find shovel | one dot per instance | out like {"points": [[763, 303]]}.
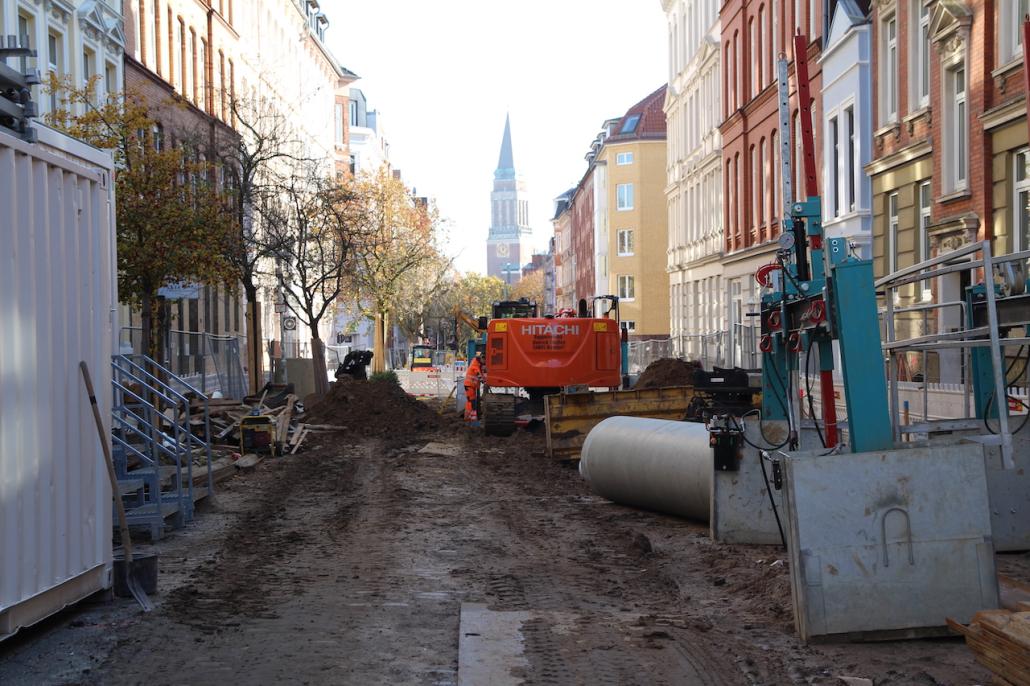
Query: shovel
{"points": [[131, 582]]}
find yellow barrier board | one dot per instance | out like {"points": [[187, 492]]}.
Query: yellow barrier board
{"points": [[571, 416]]}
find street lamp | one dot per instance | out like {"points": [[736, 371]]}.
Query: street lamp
{"points": [[507, 279]]}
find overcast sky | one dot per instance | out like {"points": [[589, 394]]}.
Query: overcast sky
{"points": [[442, 74]]}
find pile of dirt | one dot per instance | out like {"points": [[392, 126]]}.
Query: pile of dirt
{"points": [[371, 408], [667, 372]]}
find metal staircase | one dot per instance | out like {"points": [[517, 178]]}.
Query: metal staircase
{"points": [[155, 437]]}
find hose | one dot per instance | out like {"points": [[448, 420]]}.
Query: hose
{"points": [[990, 400], [808, 392]]}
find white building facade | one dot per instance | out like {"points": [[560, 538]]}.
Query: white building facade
{"points": [[694, 187], [81, 39], [369, 149], [847, 128]]}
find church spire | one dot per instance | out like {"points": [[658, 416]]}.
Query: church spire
{"points": [[506, 162]]}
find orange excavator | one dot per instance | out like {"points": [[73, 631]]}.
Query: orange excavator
{"points": [[528, 357]]}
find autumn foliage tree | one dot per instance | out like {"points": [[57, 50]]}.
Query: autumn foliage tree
{"points": [[531, 287], [400, 237], [474, 295], [171, 220]]}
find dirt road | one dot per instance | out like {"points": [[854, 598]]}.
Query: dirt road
{"points": [[349, 564]]}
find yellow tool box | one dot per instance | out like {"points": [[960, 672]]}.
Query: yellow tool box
{"points": [[257, 433]]}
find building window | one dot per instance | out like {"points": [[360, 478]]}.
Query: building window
{"points": [[1021, 202], [813, 29], [835, 162], [628, 325], [755, 188], [55, 49], [232, 87], [625, 242], [630, 125], [735, 67], [925, 202], [756, 51], [763, 55], [892, 233], [957, 126], [110, 78], [624, 199], [624, 158], [920, 55], [627, 288], [192, 54], [89, 65], [762, 174], [339, 123], [889, 95], [204, 92], [1010, 29], [222, 100], [156, 22], [851, 160], [181, 70]]}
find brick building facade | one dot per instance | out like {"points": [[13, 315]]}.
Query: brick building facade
{"points": [[950, 138], [753, 33]]}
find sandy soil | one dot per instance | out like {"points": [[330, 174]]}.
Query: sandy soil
{"points": [[348, 565]]}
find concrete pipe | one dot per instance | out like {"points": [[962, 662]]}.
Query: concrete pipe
{"points": [[653, 464]]}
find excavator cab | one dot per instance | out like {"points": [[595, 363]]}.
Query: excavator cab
{"points": [[514, 309], [421, 358]]}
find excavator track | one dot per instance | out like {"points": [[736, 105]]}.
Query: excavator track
{"points": [[498, 414]]}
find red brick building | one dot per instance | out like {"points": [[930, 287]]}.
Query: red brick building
{"points": [[754, 33], [949, 128], [950, 139], [583, 237]]}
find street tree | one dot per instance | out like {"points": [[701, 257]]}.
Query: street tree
{"points": [[420, 294], [172, 221], [400, 237], [530, 287], [474, 295], [257, 162], [313, 226]]}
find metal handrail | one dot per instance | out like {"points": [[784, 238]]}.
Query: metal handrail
{"points": [[143, 401], [128, 446], [894, 277], [185, 428], [156, 379]]}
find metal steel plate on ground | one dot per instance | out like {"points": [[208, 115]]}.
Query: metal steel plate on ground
{"points": [[888, 544]]}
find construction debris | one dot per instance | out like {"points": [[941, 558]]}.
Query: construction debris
{"points": [[228, 416], [371, 408], [1001, 642], [668, 372]]}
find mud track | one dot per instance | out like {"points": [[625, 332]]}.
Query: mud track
{"points": [[349, 565]]}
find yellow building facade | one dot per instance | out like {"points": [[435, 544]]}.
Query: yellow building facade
{"points": [[632, 247]]}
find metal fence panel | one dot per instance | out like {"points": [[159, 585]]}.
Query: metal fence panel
{"points": [[57, 307]]}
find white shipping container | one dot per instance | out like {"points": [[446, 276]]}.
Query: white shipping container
{"points": [[57, 307]]}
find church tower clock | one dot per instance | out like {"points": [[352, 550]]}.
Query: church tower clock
{"points": [[507, 246]]}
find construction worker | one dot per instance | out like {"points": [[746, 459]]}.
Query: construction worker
{"points": [[473, 377]]}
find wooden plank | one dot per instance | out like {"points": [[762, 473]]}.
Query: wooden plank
{"points": [[297, 445], [283, 420]]}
